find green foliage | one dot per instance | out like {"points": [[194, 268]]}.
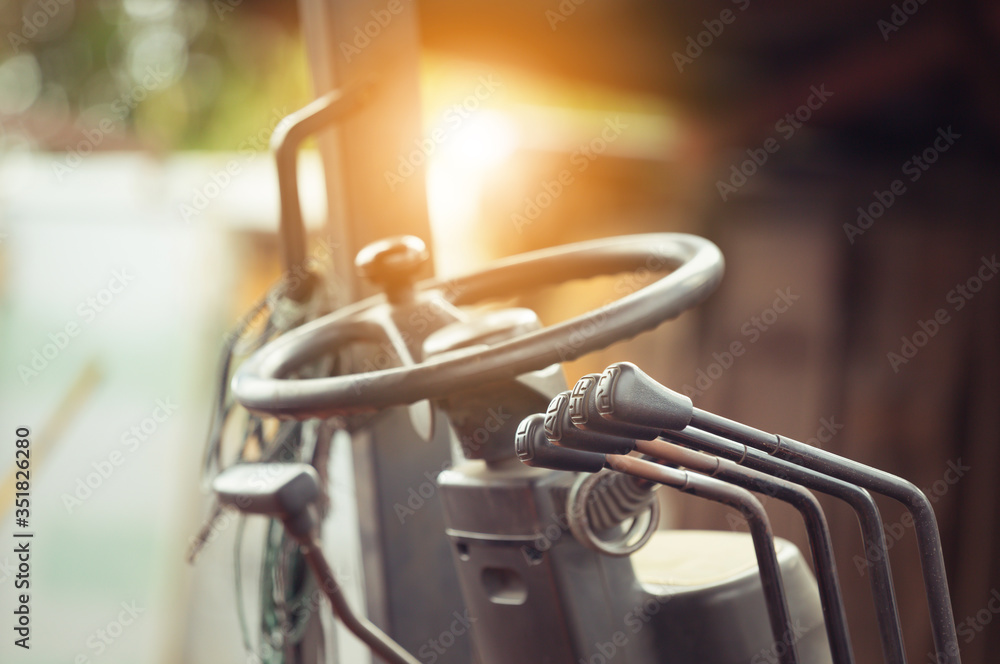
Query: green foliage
{"points": [[187, 74]]}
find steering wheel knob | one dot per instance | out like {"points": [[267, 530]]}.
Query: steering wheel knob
{"points": [[392, 263]]}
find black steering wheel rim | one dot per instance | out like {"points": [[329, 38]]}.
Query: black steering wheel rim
{"points": [[697, 265]]}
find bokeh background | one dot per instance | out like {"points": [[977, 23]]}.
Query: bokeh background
{"points": [[843, 156]]}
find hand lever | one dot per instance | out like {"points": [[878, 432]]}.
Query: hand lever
{"points": [[286, 491]]}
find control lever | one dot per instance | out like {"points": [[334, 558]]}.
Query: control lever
{"points": [[535, 450], [596, 502], [622, 377], [709, 488], [559, 430], [285, 141], [286, 491], [760, 531], [584, 415], [827, 463], [817, 529], [932, 565]]}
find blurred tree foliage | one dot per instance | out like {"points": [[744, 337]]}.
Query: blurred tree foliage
{"points": [[158, 74]]}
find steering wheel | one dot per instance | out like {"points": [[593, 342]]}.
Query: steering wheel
{"points": [[262, 383]]}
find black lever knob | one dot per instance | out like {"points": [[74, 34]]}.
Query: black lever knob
{"points": [[583, 412], [560, 430], [534, 449], [627, 394], [393, 263]]}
